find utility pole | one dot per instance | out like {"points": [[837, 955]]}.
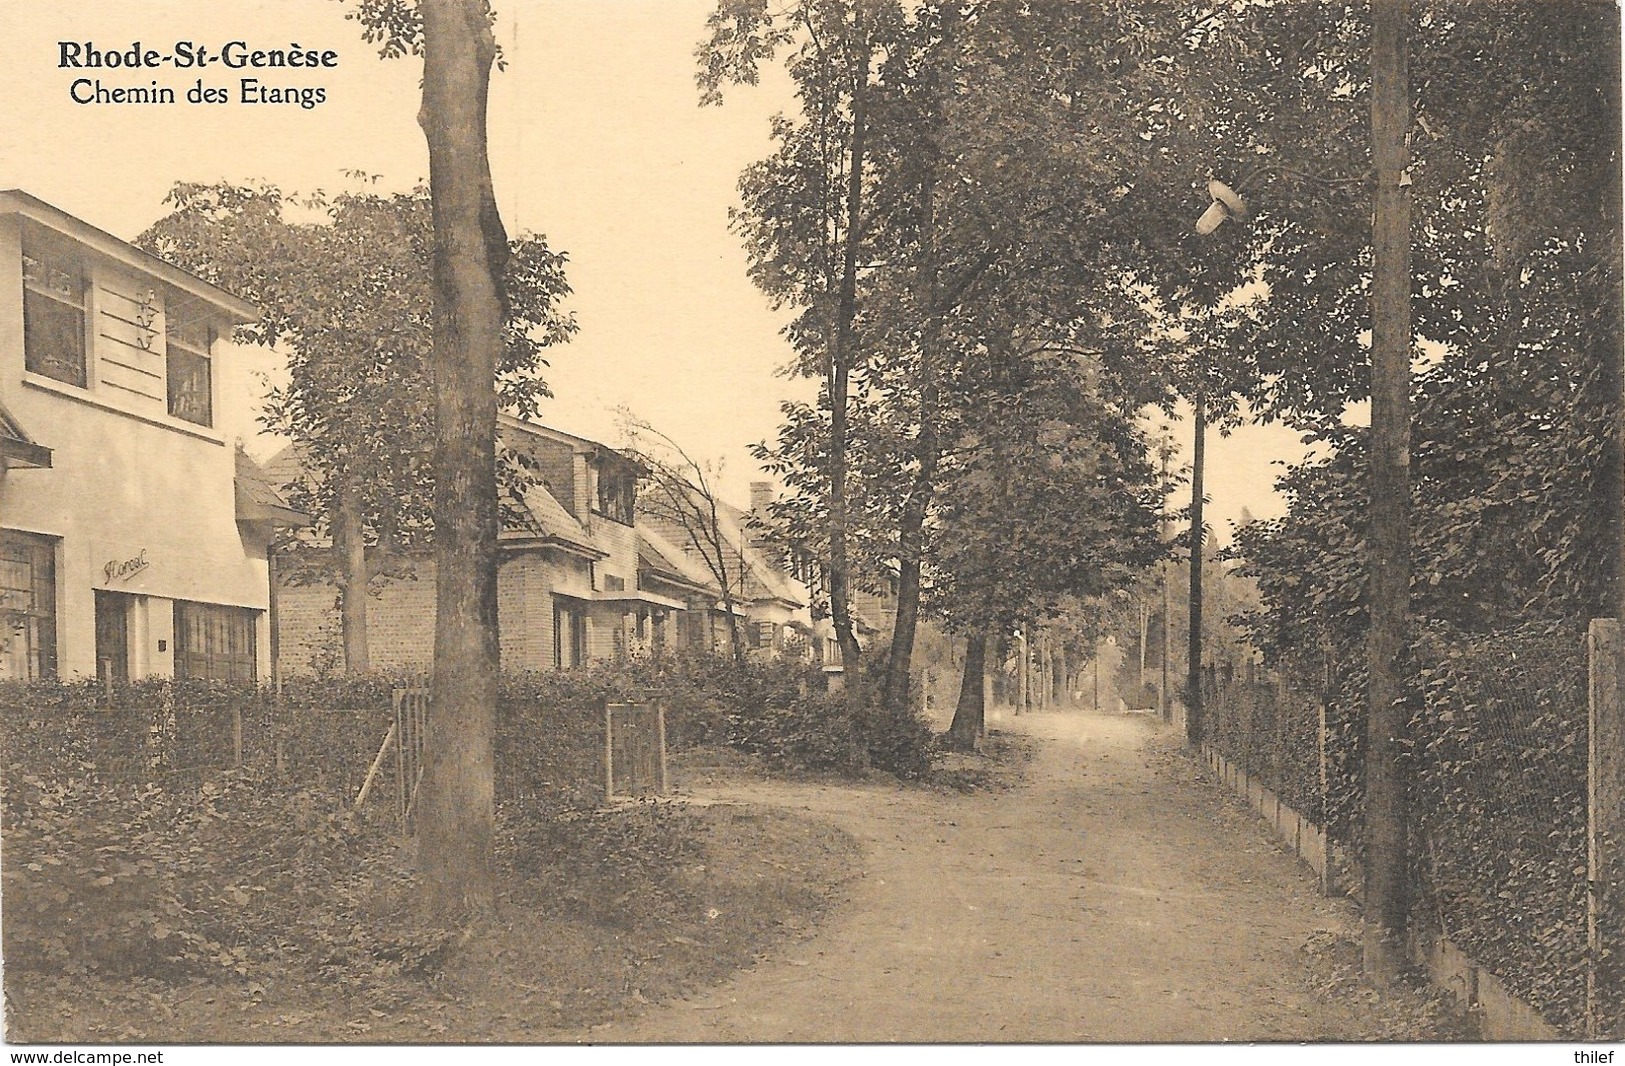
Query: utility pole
{"points": [[1387, 773], [1193, 697], [1021, 672], [1165, 451], [1145, 618]]}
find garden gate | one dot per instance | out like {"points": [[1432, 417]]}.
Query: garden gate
{"points": [[634, 748]]}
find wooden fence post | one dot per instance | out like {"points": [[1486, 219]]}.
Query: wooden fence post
{"points": [[1605, 818], [660, 725], [609, 751]]}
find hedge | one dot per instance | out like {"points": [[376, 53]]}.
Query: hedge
{"points": [[130, 849], [1498, 749]]}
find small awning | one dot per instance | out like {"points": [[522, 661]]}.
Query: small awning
{"points": [[17, 447], [637, 596]]}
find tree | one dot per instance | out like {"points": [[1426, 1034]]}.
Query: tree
{"points": [[805, 217], [1511, 203], [456, 804], [679, 492], [470, 259], [346, 295], [1047, 496], [1006, 149]]}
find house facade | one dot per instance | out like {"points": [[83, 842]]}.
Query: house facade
{"points": [[133, 533], [770, 605], [573, 586]]}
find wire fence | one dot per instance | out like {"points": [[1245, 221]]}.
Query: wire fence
{"points": [[1498, 806], [1500, 813]]}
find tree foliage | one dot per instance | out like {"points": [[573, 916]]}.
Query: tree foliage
{"points": [[343, 285], [1047, 496], [1514, 452]]}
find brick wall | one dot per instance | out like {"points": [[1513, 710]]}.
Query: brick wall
{"points": [[400, 625], [525, 613], [307, 621], [400, 620], [557, 463]]}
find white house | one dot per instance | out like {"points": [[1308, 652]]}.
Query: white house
{"points": [[132, 533]]}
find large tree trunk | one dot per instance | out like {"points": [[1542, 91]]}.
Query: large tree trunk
{"points": [[1386, 898], [970, 713], [455, 804], [350, 545], [927, 454]]}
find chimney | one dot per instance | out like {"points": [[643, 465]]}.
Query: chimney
{"points": [[761, 496]]}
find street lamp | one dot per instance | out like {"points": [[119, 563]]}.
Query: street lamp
{"points": [[1227, 203]]}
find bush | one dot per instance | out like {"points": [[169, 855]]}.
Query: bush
{"points": [[898, 744], [618, 868], [324, 733], [130, 851], [1500, 807], [1497, 746], [809, 733], [185, 877]]}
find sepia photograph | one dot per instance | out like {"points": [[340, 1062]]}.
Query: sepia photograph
{"points": [[1034, 527]]}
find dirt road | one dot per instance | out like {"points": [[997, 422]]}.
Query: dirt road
{"points": [[1116, 897]]}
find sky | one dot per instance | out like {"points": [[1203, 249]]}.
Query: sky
{"points": [[596, 140]]}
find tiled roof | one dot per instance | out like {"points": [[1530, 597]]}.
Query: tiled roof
{"points": [[258, 499], [665, 558], [544, 516]]}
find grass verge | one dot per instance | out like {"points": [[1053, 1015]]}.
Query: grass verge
{"points": [[578, 939]]}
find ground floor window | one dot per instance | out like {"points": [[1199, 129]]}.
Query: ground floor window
{"points": [[27, 606], [569, 633], [693, 631], [215, 642]]}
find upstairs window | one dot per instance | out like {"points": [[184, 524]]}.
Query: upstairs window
{"points": [[190, 372], [54, 320], [616, 495]]}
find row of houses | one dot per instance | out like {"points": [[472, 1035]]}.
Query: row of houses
{"points": [[136, 537], [586, 573]]}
